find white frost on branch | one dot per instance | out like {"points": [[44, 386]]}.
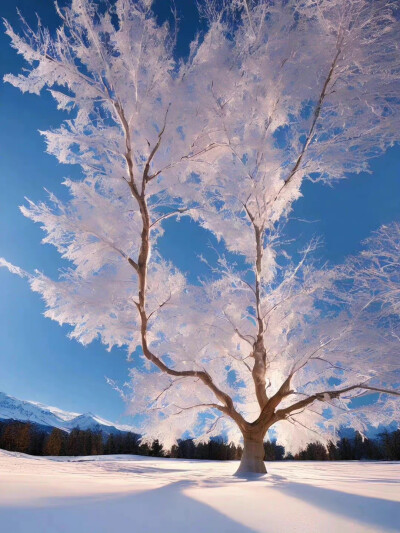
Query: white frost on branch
{"points": [[272, 94]]}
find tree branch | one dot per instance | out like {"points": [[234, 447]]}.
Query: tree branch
{"points": [[168, 215], [146, 177], [259, 352], [310, 135], [328, 395], [197, 406]]}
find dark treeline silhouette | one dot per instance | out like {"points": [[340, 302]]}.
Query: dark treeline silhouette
{"points": [[386, 447], [35, 440], [215, 449], [32, 439]]}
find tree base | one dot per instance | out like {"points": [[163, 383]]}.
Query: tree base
{"points": [[252, 462]]}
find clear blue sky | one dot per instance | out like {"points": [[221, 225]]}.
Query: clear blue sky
{"points": [[37, 361]]}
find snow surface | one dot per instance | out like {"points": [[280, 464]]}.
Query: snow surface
{"points": [[104, 494]]}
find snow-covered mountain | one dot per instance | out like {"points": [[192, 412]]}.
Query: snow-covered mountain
{"points": [[45, 415]]}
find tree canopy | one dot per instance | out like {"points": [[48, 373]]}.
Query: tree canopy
{"points": [[271, 94]]}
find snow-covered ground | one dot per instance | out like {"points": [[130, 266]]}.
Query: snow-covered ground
{"points": [[106, 494]]}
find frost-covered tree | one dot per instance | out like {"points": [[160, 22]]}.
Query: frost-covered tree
{"points": [[376, 271], [271, 94]]}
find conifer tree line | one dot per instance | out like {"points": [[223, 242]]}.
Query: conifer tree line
{"points": [[28, 438]]}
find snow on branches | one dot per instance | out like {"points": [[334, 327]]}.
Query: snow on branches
{"points": [[271, 94]]}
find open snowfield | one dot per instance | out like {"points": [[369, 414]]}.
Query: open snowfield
{"points": [[104, 494]]}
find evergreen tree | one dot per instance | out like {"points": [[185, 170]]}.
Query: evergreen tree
{"points": [[390, 445], [109, 448], [333, 452], [315, 451], [23, 437], [9, 440], [345, 449], [273, 452], [56, 443], [97, 443], [358, 447], [156, 449], [144, 449], [174, 453], [131, 443], [74, 446]]}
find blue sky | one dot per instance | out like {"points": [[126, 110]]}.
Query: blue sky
{"points": [[37, 361]]}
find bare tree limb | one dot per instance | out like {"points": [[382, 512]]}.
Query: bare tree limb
{"points": [[310, 135], [168, 215], [330, 394]]}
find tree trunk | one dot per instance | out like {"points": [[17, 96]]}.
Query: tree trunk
{"points": [[252, 461]]}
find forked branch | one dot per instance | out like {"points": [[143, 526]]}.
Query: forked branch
{"points": [[329, 395]]}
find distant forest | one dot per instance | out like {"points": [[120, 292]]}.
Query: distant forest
{"points": [[29, 438]]}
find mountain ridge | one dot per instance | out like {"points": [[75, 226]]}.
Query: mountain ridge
{"points": [[38, 413]]}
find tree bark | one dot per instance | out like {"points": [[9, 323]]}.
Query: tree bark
{"points": [[252, 461]]}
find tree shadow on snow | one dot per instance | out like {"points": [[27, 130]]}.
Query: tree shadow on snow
{"points": [[383, 514], [163, 510]]}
